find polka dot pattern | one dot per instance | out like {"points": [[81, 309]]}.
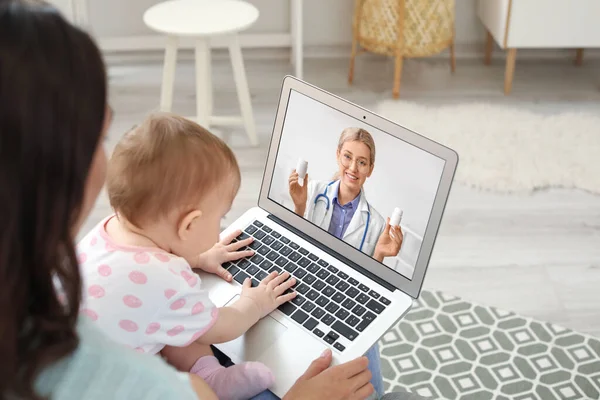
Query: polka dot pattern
{"points": [[152, 328], [96, 291], [93, 241], [162, 257], [128, 325], [138, 277], [132, 301], [90, 313], [170, 293], [198, 308], [176, 330], [142, 258], [82, 258], [177, 304], [104, 270]]}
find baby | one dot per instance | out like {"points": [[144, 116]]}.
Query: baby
{"points": [[170, 182]]}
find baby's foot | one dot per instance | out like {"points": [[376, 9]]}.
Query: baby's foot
{"points": [[238, 382]]}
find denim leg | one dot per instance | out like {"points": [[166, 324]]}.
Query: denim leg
{"points": [[266, 395], [375, 368]]}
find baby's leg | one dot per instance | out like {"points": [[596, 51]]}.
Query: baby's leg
{"points": [[238, 382]]}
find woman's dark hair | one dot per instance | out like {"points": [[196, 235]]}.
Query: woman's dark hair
{"points": [[52, 107]]}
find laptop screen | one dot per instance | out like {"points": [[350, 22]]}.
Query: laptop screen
{"points": [[364, 186]]}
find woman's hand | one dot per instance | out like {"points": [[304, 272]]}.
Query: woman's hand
{"points": [[211, 260], [298, 193], [346, 381], [270, 293], [389, 242]]}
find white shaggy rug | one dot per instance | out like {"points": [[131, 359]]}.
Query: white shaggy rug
{"points": [[507, 149]]}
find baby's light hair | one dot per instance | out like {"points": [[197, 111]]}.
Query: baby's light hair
{"points": [[167, 163]]}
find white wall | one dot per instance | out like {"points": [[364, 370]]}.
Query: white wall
{"points": [[404, 176]]}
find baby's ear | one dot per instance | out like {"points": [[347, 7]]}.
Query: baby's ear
{"points": [[187, 224]]}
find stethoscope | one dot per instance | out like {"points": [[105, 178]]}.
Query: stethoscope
{"points": [[328, 204]]}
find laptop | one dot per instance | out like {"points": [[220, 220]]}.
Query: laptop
{"points": [[348, 294]]}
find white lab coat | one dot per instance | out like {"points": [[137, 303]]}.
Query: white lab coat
{"points": [[318, 215]]}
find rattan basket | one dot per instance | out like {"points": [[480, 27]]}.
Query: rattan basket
{"points": [[402, 28]]}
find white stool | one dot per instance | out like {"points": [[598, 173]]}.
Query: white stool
{"points": [[203, 19]]}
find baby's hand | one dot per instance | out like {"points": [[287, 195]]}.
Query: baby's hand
{"points": [[268, 295], [211, 260]]}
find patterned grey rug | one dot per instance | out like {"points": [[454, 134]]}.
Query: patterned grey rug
{"points": [[448, 348]]}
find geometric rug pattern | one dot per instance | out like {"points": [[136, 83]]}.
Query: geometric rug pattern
{"points": [[448, 348]]}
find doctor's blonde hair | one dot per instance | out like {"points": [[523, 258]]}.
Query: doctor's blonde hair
{"points": [[357, 135]]}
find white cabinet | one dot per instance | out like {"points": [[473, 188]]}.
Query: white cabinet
{"points": [[515, 24]]}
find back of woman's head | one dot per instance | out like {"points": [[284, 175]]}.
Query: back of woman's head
{"points": [[52, 105]]}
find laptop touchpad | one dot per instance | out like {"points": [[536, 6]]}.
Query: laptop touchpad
{"points": [[251, 345]]}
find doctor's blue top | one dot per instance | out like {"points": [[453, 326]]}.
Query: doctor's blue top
{"points": [[341, 216]]}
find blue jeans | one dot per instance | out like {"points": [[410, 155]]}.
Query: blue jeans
{"points": [[374, 366]]}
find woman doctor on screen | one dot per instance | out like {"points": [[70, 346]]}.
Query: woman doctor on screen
{"points": [[340, 206]]}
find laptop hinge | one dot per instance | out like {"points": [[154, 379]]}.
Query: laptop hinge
{"points": [[334, 254]]}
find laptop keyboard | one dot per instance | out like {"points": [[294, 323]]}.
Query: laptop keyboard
{"points": [[329, 303]]}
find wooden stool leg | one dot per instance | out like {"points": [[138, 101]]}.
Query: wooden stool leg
{"points": [[202, 83], [352, 59], [239, 74], [579, 57], [489, 47], [397, 74], [168, 79], [511, 58], [452, 58]]}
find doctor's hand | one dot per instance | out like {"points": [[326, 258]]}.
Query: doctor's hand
{"points": [[389, 242], [211, 260], [298, 193]]}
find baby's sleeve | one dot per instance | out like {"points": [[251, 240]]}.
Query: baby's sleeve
{"points": [[186, 316]]}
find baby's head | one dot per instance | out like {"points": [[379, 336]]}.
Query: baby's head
{"points": [[171, 175]]}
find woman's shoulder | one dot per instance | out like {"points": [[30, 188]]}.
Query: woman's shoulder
{"points": [[102, 369]]}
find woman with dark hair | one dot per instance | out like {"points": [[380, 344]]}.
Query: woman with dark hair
{"points": [[53, 117]]}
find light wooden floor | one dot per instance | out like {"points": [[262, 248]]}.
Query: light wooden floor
{"points": [[537, 254]]}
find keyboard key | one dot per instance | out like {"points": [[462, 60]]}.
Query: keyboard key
{"points": [[323, 263], [374, 294], [241, 277], [285, 251], [348, 304], [287, 308], [328, 291], [339, 347], [352, 292], [272, 256], [243, 263], [332, 307], [226, 265], [258, 223], [302, 288], [369, 316], [275, 268], [294, 256], [255, 283], [363, 287], [342, 286], [299, 273], [259, 234], [322, 301], [233, 270], [284, 239], [308, 306], [312, 295], [334, 335], [342, 275], [252, 270], [276, 234], [257, 259], [363, 325], [311, 324], [298, 300], [352, 320], [266, 265], [359, 310], [242, 236], [290, 267], [319, 285], [317, 313], [304, 262], [327, 319], [329, 339], [250, 230], [261, 275], [362, 298], [319, 333], [342, 314], [344, 330], [332, 280], [313, 257], [303, 251], [264, 250], [299, 316], [255, 245], [333, 269], [309, 279], [276, 245], [338, 297], [323, 274], [268, 240], [313, 268], [385, 301], [294, 246], [353, 281], [376, 306], [281, 261], [267, 229]]}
